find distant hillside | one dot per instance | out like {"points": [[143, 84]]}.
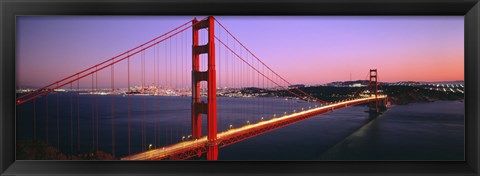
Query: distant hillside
{"points": [[30, 150]]}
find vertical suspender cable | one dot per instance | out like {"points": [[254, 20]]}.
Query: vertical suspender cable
{"points": [[71, 118], [58, 122], [78, 114], [35, 119], [128, 103], [219, 75], [113, 107], [96, 107], [166, 83], [93, 113], [170, 81], [155, 83], [159, 98], [46, 117], [176, 69], [181, 82], [142, 72]]}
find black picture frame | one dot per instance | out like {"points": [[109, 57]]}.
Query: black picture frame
{"points": [[9, 9]]}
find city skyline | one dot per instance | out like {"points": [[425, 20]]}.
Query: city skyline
{"points": [[419, 48]]}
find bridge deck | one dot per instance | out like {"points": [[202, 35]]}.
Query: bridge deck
{"points": [[187, 149]]}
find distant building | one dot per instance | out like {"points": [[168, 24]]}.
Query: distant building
{"points": [[357, 85]]}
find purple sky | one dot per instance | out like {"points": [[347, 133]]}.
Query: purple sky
{"points": [[309, 50]]}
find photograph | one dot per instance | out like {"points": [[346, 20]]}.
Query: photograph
{"points": [[240, 88]]}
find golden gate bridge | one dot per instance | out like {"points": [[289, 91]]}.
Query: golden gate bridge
{"points": [[220, 66]]}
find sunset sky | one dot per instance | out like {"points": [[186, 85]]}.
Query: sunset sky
{"points": [[307, 50]]}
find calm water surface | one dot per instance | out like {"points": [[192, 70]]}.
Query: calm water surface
{"points": [[420, 131]]}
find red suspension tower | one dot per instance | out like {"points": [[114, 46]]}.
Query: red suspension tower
{"points": [[373, 88], [210, 107]]}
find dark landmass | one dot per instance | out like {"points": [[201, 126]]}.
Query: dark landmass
{"points": [[397, 94], [31, 150], [408, 94]]}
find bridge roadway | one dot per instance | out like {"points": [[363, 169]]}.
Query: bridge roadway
{"points": [[192, 148]]}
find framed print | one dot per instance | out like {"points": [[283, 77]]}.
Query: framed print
{"points": [[321, 88]]}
